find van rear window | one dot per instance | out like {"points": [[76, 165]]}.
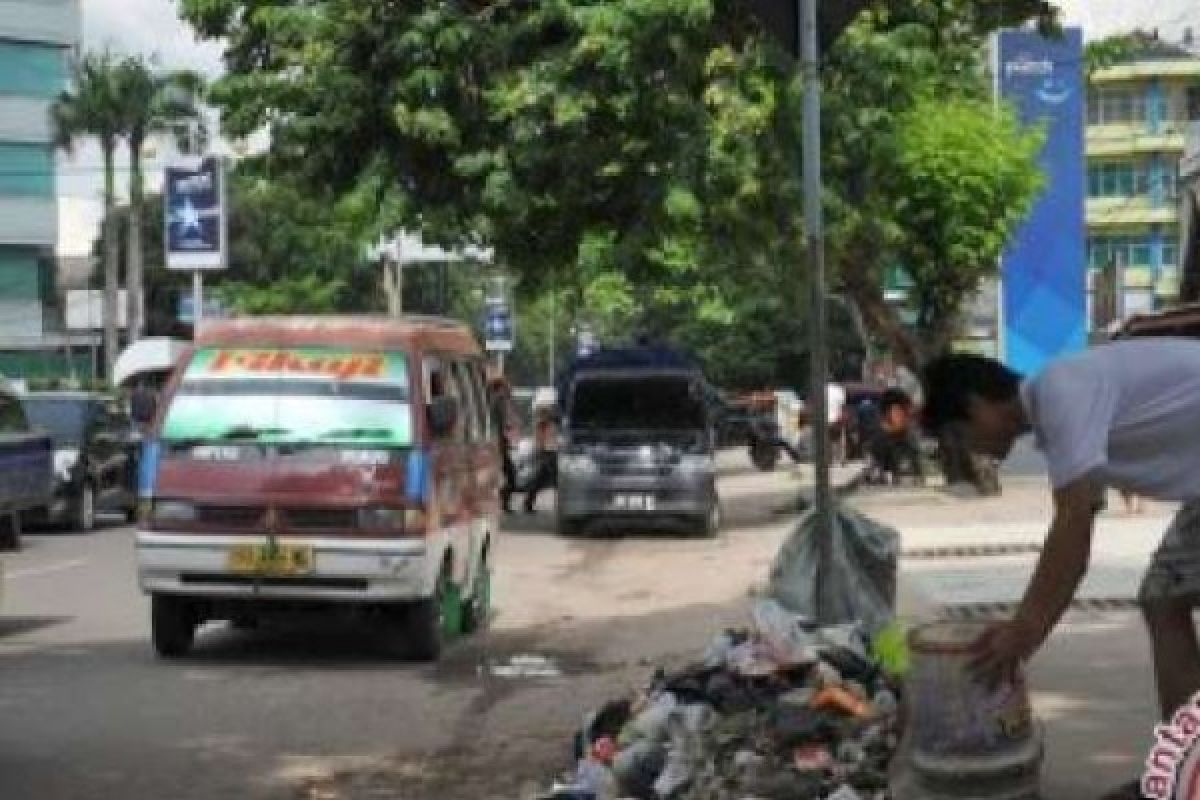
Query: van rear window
{"points": [[309, 395]]}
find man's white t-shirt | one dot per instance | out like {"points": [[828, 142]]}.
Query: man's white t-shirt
{"points": [[1125, 415]]}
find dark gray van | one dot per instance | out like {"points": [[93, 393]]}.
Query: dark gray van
{"points": [[638, 447]]}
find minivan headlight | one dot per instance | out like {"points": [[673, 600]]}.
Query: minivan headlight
{"points": [[168, 511], [576, 464], [697, 464]]}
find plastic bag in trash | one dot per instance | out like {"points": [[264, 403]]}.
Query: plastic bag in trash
{"points": [[789, 636], [860, 579]]}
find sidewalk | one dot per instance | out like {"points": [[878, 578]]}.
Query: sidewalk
{"points": [[1092, 685]]}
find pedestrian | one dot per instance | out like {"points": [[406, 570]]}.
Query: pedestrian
{"points": [[894, 449], [545, 440], [500, 406], [1122, 415]]}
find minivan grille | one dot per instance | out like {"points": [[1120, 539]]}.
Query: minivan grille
{"points": [[234, 517], [320, 518]]}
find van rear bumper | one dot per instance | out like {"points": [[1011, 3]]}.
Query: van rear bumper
{"points": [[344, 570]]}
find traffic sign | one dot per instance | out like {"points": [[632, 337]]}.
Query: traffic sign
{"points": [[194, 219], [498, 328]]}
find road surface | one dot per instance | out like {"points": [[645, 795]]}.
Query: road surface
{"points": [[316, 711]]}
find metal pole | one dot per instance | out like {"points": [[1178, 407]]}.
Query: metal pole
{"points": [[815, 246], [197, 300], [553, 332]]}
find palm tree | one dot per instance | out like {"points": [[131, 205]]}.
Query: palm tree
{"points": [[153, 102], [91, 107]]}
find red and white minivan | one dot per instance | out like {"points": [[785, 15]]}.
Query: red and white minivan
{"points": [[301, 462]]}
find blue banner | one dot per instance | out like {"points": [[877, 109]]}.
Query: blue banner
{"points": [[194, 216], [1044, 271]]}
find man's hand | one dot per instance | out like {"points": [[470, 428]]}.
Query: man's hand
{"points": [[998, 655]]}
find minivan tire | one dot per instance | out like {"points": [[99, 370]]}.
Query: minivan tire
{"points": [[709, 525], [10, 531], [172, 625], [764, 455], [477, 612], [567, 527], [84, 518], [427, 621]]}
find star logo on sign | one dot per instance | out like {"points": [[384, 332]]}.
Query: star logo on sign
{"points": [[188, 217]]}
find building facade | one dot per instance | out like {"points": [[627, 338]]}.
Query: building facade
{"points": [[1138, 116], [37, 40]]}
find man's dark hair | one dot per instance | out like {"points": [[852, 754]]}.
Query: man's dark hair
{"points": [[950, 381], [893, 398]]}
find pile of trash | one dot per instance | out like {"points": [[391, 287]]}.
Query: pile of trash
{"points": [[783, 711]]}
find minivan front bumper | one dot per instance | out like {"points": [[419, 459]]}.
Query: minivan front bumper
{"points": [[594, 496], [344, 570]]}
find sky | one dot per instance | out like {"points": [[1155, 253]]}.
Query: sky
{"points": [[152, 27]]}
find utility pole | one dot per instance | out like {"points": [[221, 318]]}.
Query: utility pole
{"points": [[814, 233]]}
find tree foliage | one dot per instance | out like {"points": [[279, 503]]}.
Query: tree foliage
{"points": [[641, 156], [93, 107]]}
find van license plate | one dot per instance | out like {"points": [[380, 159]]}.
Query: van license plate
{"points": [[633, 502], [274, 560]]}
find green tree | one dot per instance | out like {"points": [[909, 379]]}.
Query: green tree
{"points": [[641, 153], [154, 102], [92, 108], [916, 148], [965, 176]]}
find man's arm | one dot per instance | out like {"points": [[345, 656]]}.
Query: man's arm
{"points": [[1004, 647]]}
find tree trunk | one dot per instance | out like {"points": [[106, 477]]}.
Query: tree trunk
{"points": [[134, 282], [111, 266], [880, 317]]}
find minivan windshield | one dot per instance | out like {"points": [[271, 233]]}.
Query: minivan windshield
{"points": [[64, 418], [303, 395], [637, 402]]}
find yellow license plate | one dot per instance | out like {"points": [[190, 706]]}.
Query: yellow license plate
{"points": [[275, 560]]}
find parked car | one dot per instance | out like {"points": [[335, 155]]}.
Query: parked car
{"points": [[638, 444], [95, 456], [26, 468], [323, 462]]}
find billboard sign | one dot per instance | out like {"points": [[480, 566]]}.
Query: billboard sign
{"points": [[498, 327], [194, 216], [1044, 271]]}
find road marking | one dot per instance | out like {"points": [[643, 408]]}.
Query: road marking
{"points": [[49, 569]]}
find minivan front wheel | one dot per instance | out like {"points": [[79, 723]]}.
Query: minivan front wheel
{"points": [[434, 620], [709, 525], [172, 625], [85, 509]]}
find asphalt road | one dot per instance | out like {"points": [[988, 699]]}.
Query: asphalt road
{"points": [[313, 709]]}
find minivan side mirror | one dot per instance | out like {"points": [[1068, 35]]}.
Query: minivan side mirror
{"points": [[443, 416]]}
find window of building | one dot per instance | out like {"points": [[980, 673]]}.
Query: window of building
{"points": [[1170, 254], [1193, 103], [1115, 106], [33, 70], [1116, 179], [26, 169], [1119, 251]]}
